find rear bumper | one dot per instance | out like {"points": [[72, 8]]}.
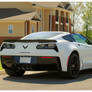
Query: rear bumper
{"points": [[37, 63]]}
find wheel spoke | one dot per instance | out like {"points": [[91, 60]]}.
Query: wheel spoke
{"points": [[74, 66]]}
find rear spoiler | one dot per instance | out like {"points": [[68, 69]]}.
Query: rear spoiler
{"points": [[40, 40]]}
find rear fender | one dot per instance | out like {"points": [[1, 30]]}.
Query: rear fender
{"points": [[65, 50]]}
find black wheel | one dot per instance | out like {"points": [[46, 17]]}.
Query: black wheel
{"points": [[11, 72], [73, 66]]}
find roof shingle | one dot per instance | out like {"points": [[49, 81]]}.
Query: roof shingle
{"points": [[64, 5], [8, 12], [27, 16]]}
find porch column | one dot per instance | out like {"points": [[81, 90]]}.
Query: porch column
{"points": [[37, 26], [59, 23], [53, 23], [65, 24], [69, 25], [27, 27]]}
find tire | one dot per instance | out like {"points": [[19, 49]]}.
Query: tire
{"points": [[15, 73], [73, 68]]}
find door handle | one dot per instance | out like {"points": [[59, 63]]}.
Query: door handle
{"points": [[78, 44]]}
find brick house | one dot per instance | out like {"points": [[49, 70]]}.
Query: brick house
{"points": [[18, 26], [18, 19], [55, 16]]}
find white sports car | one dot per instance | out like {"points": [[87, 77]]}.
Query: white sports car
{"points": [[59, 51]]}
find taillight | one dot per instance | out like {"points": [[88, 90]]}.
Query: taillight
{"points": [[7, 46], [47, 46], [6, 56]]}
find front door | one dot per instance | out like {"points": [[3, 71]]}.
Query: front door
{"points": [[85, 48]]}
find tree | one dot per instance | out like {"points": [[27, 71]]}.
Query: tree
{"points": [[87, 16], [78, 9]]}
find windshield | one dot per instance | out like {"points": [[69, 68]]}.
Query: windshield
{"points": [[41, 35]]}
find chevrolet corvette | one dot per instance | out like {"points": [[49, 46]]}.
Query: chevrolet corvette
{"points": [[52, 51]]}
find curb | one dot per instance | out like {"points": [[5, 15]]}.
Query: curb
{"points": [[27, 72], [3, 72]]}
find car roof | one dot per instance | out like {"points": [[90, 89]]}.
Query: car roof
{"points": [[47, 32], [61, 33], [53, 32]]}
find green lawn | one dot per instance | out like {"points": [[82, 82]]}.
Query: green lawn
{"points": [[0, 67]]}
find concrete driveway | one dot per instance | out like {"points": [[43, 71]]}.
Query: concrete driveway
{"points": [[46, 81]]}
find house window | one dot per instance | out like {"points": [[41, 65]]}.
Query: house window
{"points": [[62, 27], [40, 14], [32, 29], [62, 17], [10, 29], [56, 27], [67, 28], [67, 18], [40, 28], [57, 15]]}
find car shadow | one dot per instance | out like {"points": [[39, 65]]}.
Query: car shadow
{"points": [[49, 78]]}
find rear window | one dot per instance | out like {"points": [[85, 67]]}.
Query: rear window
{"points": [[68, 38], [41, 35]]}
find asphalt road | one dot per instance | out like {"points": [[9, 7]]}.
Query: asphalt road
{"points": [[46, 81]]}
